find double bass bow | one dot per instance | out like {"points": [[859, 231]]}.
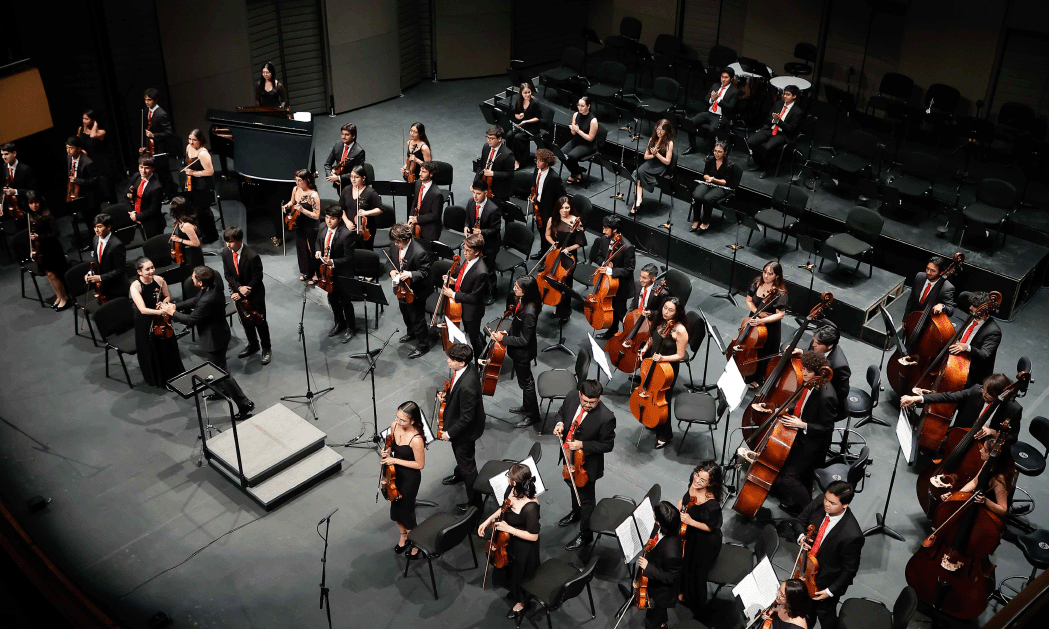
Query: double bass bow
{"points": [[648, 402], [751, 338], [634, 334], [597, 308]]}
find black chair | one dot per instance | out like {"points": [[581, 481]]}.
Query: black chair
{"points": [[665, 94], [518, 241], [697, 333], [133, 236], [860, 150], [1035, 549], [895, 88], [919, 174], [158, 250], [1015, 121], [679, 285], [807, 54], [629, 34], [719, 57], [189, 291], [491, 469], [1029, 462], [20, 243], [454, 219], [557, 384], [440, 533], [940, 106], [864, 613], [581, 204], [736, 561], [855, 473], [864, 227], [995, 203], [556, 582], [444, 177], [791, 146], [568, 74], [599, 142], [692, 408], [116, 325], [380, 226], [584, 270], [791, 202], [81, 298], [609, 513], [666, 53], [609, 80]]}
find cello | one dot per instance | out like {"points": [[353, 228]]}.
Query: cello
{"points": [[493, 355], [648, 402], [634, 334], [783, 375], [388, 475], [597, 308], [555, 268], [751, 338], [453, 309]]}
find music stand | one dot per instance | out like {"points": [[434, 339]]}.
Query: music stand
{"points": [[620, 173], [369, 292], [565, 290], [809, 246], [892, 337], [441, 250], [394, 188], [192, 383], [310, 395], [735, 247], [589, 37], [715, 335], [511, 210]]}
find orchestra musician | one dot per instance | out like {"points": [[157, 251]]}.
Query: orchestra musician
{"points": [[45, 232], [584, 132], [980, 340], [19, 178], [521, 521], [200, 173], [548, 189], [782, 127], [496, 164], [92, 136], [973, 401], [158, 128], [158, 356], [722, 101], [413, 263], [485, 218], [663, 566], [771, 277], [792, 606], [417, 151], [922, 289], [658, 154], [700, 509], [621, 267], [207, 312], [561, 233], [408, 456], [650, 305], [110, 256], [717, 170], [525, 116], [347, 152], [242, 268], [360, 195], [825, 341], [996, 500], [269, 92], [586, 424], [427, 203], [469, 288], [464, 410], [334, 249], [307, 200], [145, 197], [185, 232], [82, 172], [671, 348], [836, 546], [521, 344]]}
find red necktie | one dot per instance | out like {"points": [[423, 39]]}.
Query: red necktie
{"points": [[575, 424], [236, 266], [422, 193], [491, 158], [327, 243], [72, 168], [10, 176], [801, 402], [714, 107], [345, 152], [100, 241], [478, 219], [925, 293], [775, 127], [969, 331], [138, 197], [149, 118], [538, 176], [459, 280], [819, 535], [644, 295]]}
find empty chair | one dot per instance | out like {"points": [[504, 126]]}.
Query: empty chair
{"points": [[518, 241], [380, 226], [735, 560], [894, 88], [440, 533], [807, 54], [82, 297], [919, 174], [158, 249], [116, 325], [699, 408], [573, 66], [854, 472], [788, 204], [864, 227], [557, 581], [444, 177], [859, 151], [454, 220], [995, 203], [1029, 462], [1015, 121], [608, 80], [629, 34], [863, 613], [557, 384], [679, 285], [665, 94]]}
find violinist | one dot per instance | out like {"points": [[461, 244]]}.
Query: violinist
{"points": [[184, 218], [825, 341], [346, 154], [771, 277], [980, 339], [243, 270], [791, 607], [526, 120], [427, 204], [334, 249], [658, 155], [109, 258], [973, 402], [621, 268], [158, 356], [496, 164], [521, 344], [305, 199], [44, 234], [837, 548], [417, 151], [663, 566], [200, 183], [83, 173], [521, 521], [592, 429], [668, 344], [700, 509], [360, 200], [408, 458], [562, 234], [145, 198], [922, 289], [158, 128], [465, 421], [548, 189], [469, 288], [485, 218], [413, 264], [18, 177]]}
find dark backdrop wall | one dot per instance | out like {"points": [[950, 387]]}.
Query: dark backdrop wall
{"points": [[364, 48], [473, 37]]}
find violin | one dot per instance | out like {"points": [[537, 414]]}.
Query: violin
{"points": [[494, 355], [10, 206], [573, 467], [598, 305], [362, 221], [684, 527], [178, 255], [340, 168], [554, 267], [452, 309], [403, 288], [388, 475], [496, 547], [100, 297], [782, 376], [246, 311], [648, 402], [440, 413], [325, 274], [36, 254], [635, 332], [410, 169], [806, 566], [161, 326], [291, 216], [72, 192], [771, 450], [147, 143], [533, 198], [751, 338], [641, 599]]}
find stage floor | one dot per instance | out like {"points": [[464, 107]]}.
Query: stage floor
{"points": [[142, 529]]}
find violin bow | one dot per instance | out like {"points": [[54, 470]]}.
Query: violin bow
{"points": [[568, 462]]}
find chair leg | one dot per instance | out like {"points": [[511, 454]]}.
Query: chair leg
{"points": [[473, 552], [590, 595], [407, 563], [120, 355], [593, 545], [683, 435], [39, 297], [713, 442], [91, 329], [433, 580], [107, 360]]}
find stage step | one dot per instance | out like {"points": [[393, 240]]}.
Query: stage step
{"points": [[291, 480], [270, 442]]}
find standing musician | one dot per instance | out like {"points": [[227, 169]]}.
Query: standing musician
{"points": [[145, 196], [418, 150], [583, 128], [243, 270], [200, 183], [83, 174], [334, 249], [469, 288], [347, 153], [700, 509], [427, 204], [771, 277], [521, 344], [980, 339], [44, 231], [719, 171], [621, 267], [973, 401], [521, 521], [109, 255], [413, 263], [363, 197], [158, 356], [184, 232], [591, 427], [650, 304], [836, 546], [792, 606], [207, 311], [496, 164], [407, 455], [526, 118], [658, 154], [668, 344], [18, 179], [158, 128], [781, 127], [305, 199], [722, 103], [92, 134], [922, 289], [561, 233], [825, 341], [464, 405], [662, 566], [548, 189], [269, 92], [485, 218]]}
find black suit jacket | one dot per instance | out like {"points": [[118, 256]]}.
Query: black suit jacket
{"points": [[502, 169], [655, 302], [341, 253], [464, 408], [490, 225], [111, 268], [24, 181], [151, 217], [250, 275], [418, 261], [664, 571], [820, 413], [622, 266], [945, 295], [597, 432], [983, 351], [87, 177], [472, 291], [789, 125], [207, 312], [430, 211], [839, 552], [163, 135], [521, 343], [970, 404], [729, 99], [552, 190], [353, 159], [840, 380]]}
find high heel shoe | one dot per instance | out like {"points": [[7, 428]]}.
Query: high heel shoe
{"points": [[400, 548]]}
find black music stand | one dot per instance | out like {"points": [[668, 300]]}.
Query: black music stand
{"points": [[735, 247], [589, 37], [892, 337], [715, 335], [879, 518], [565, 290], [369, 292], [441, 250], [394, 188], [310, 395], [191, 383], [620, 173], [511, 210]]}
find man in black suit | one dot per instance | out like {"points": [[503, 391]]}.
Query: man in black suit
{"points": [[925, 287], [645, 298], [825, 341], [347, 152], [207, 311], [485, 218], [663, 565], [721, 103], [82, 172], [621, 267], [427, 204], [409, 260], [145, 197], [110, 258], [836, 545], [586, 424], [468, 288], [972, 402], [243, 270], [18, 177], [547, 188], [782, 127], [464, 420], [334, 249], [522, 345], [159, 129], [497, 163], [980, 339]]}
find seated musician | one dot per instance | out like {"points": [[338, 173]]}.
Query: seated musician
{"points": [[658, 154], [668, 343], [923, 285], [662, 566], [413, 263], [1001, 484], [621, 268], [781, 128], [721, 104], [526, 116], [269, 92], [548, 189], [825, 341], [980, 339], [772, 317], [427, 204], [496, 164], [792, 606], [718, 171], [973, 403], [346, 153], [468, 288]]}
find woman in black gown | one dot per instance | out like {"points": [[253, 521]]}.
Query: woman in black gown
{"points": [[658, 155], [307, 200], [792, 606], [771, 277], [408, 456], [42, 230], [668, 344], [363, 199], [526, 116], [700, 509], [200, 184], [157, 357], [184, 217], [561, 233], [269, 92], [521, 521], [417, 151]]}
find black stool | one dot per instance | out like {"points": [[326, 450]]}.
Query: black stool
{"points": [[1035, 547], [1029, 462]]}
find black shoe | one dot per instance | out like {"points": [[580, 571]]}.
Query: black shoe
{"points": [[703, 230], [213, 397], [792, 510], [604, 336], [690, 150], [577, 543], [763, 174], [512, 615], [65, 307], [400, 549], [525, 423], [569, 519], [405, 339], [335, 329], [451, 480], [418, 352], [247, 351], [462, 508], [245, 411], [267, 356], [347, 336], [694, 228], [518, 410], [489, 300], [660, 446], [537, 256]]}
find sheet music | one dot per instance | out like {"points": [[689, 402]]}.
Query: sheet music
{"points": [[758, 589], [428, 436], [540, 486], [645, 516], [600, 356], [455, 335], [732, 385], [629, 542], [905, 433], [500, 482]]}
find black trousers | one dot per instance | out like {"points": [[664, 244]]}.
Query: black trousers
{"points": [[706, 123], [342, 305], [466, 467], [258, 334], [473, 332], [489, 263], [588, 494], [619, 308], [706, 197], [762, 143], [529, 401], [229, 386], [414, 315], [794, 483], [574, 150], [655, 617], [826, 611]]}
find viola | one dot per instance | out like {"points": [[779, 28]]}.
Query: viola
{"points": [[362, 221], [178, 255], [598, 305], [751, 338], [440, 413], [648, 402], [246, 311], [684, 527], [388, 476], [573, 466], [325, 274], [72, 192], [410, 170], [161, 326], [494, 355], [452, 309], [403, 288], [100, 296], [634, 334], [557, 268], [496, 547], [806, 566]]}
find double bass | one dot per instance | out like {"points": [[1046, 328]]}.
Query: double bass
{"points": [[493, 357], [597, 308], [751, 337], [388, 475], [452, 309], [634, 334], [648, 402], [554, 267]]}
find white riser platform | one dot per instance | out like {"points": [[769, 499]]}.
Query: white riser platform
{"points": [[269, 442], [292, 480]]}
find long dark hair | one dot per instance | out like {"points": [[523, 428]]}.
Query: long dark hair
{"points": [[182, 211], [797, 598], [307, 176], [421, 129], [713, 471], [411, 409], [679, 316], [523, 482], [203, 139], [660, 145], [561, 203], [260, 86], [33, 196], [519, 103], [531, 291], [778, 270]]}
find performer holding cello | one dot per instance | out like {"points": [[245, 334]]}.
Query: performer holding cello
{"points": [[974, 402], [463, 405], [825, 341], [469, 288], [771, 278], [521, 344], [620, 267], [407, 454], [566, 237], [925, 288], [668, 345]]}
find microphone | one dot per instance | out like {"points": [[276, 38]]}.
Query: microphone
{"points": [[327, 517]]}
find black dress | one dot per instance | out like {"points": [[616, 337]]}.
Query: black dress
{"points": [[646, 173], [577, 147], [708, 196], [665, 347], [701, 550], [566, 236], [157, 357], [192, 257], [408, 479], [524, 555], [774, 330], [369, 200], [270, 99], [305, 238], [202, 196], [519, 141], [779, 623], [54, 256]]}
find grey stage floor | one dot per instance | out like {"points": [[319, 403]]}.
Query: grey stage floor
{"points": [[142, 529]]}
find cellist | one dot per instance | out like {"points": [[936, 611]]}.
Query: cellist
{"points": [[668, 344], [924, 288], [521, 344], [996, 500], [469, 289], [825, 341], [972, 403], [621, 268], [771, 277], [980, 339], [562, 234], [662, 566]]}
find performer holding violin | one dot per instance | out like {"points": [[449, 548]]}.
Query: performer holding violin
{"points": [[82, 177], [407, 455], [565, 234], [158, 138], [924, 288], [469, 288], [243, 270], [669, 345], [412, 271], [496, 165], [145, 197], [700, 509], [464, 409], [346, 155], [663, 566], [334, 249], [825, 341], [525, 121], [417, 152], [158, 355], [837, 547], [48, 252], [791, 607], [980, 339], [521, 344], [591, 427], [520, 520], [424, 217], [546, 190], [771, 277], [108, 260], [302, 214], [621, 267], [200, 183], [19, 179], [185, 238], [485, 218], [359, 203]]}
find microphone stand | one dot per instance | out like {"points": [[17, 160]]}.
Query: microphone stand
{"points": [[310, 395], [373, 360], [324, 600]]}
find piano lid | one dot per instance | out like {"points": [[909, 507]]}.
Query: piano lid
{"points": [[265, 147]]}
